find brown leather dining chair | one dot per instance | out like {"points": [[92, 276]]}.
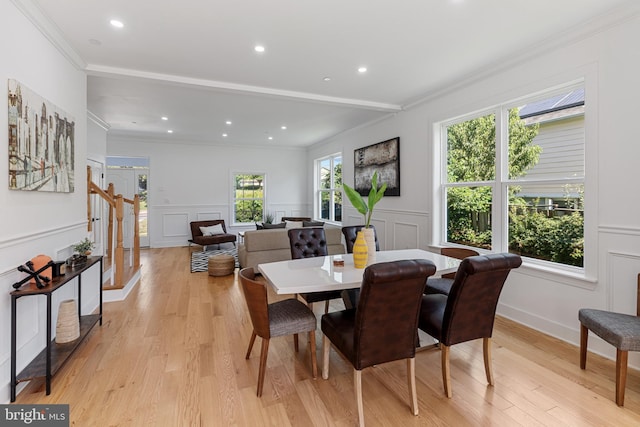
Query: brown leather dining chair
{"points": [[383, 327], [442, 285], [287, 317], [311, 242], [469, 311]]}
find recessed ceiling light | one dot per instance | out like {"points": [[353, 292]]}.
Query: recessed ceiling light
{"points": [[170, 131], [224, 135], [283, 127], [362, 69], [164, 118], [259, 48], [116, 23], [270, 138], [326, 79], [228, 122]]}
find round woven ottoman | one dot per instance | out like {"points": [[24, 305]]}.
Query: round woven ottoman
{"points": [[221, 265]]}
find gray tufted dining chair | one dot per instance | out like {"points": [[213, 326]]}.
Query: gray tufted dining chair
{"points": [[287, 317], [620, 330]]}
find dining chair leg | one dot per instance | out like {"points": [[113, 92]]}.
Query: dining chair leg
{"points": [[251, 341], [326, 306], [446, 370], [295, 342], [263, 364], [486, 347], [357, 385], [584, 338], [411, 377], [326, 346], [312, 350], [621, 375]]}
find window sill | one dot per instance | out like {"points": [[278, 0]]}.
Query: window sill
{"points": [[576, 278]]}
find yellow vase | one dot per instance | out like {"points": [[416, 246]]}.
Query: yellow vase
{"points": [[370, 240], [360, 251]]}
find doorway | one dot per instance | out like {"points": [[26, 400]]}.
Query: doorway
{"points": [[97, 207], [130, 176]]}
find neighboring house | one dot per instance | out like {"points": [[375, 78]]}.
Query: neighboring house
{"points": [[561, 134]]}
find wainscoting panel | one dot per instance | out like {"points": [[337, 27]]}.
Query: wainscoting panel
{"points": [[396, 229], [278, 214], [175, 225], [406, 235], [623, 281], [381, 231]]}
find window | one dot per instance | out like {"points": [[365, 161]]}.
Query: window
{"points": [[328, 201], [248, 198], [515, 178]]}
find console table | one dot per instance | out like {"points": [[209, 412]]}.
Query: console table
{"points": [[47, 363]]}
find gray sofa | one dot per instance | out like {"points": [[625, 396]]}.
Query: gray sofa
{"points": [[262, 246]]}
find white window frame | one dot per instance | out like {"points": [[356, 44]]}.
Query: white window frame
{"points": [[232, 213], [317, 200], [579, 276]]}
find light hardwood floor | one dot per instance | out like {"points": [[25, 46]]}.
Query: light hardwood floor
{"points": [[172, 354]]}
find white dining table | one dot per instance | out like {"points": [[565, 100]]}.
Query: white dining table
{"points": [[320, 274]]}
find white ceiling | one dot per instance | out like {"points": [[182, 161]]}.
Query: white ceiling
{"points": [[193, 60]]}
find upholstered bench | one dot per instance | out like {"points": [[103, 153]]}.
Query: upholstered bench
{"points": [[221, 265]]}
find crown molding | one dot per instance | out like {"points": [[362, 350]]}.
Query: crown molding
{"points": [[97, 120], [51, 32]]}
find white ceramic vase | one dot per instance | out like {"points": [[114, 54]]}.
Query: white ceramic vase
{"points": [[370, 239]]}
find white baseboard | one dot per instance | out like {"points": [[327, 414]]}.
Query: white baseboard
{"points": [[565, 333]]}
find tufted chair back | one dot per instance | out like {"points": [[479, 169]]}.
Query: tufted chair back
{"points": [[307, 242], [386, 319], [383, 328], [471, 307], [468, 312]]}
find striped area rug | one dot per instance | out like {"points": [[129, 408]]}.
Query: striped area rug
{"points": [[200, 259]]}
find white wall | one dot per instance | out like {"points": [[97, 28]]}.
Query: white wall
{"points": [[38, 222], [610, 63], [192, 181], [96, 140]]}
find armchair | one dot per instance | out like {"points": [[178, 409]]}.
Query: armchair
{"points": [[199, 238]]}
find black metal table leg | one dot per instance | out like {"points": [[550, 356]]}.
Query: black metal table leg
{"points": [[13, 347], [48, 373]]}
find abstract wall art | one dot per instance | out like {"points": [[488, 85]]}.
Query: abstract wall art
{"points": [[41, 143], [383, 157]]}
